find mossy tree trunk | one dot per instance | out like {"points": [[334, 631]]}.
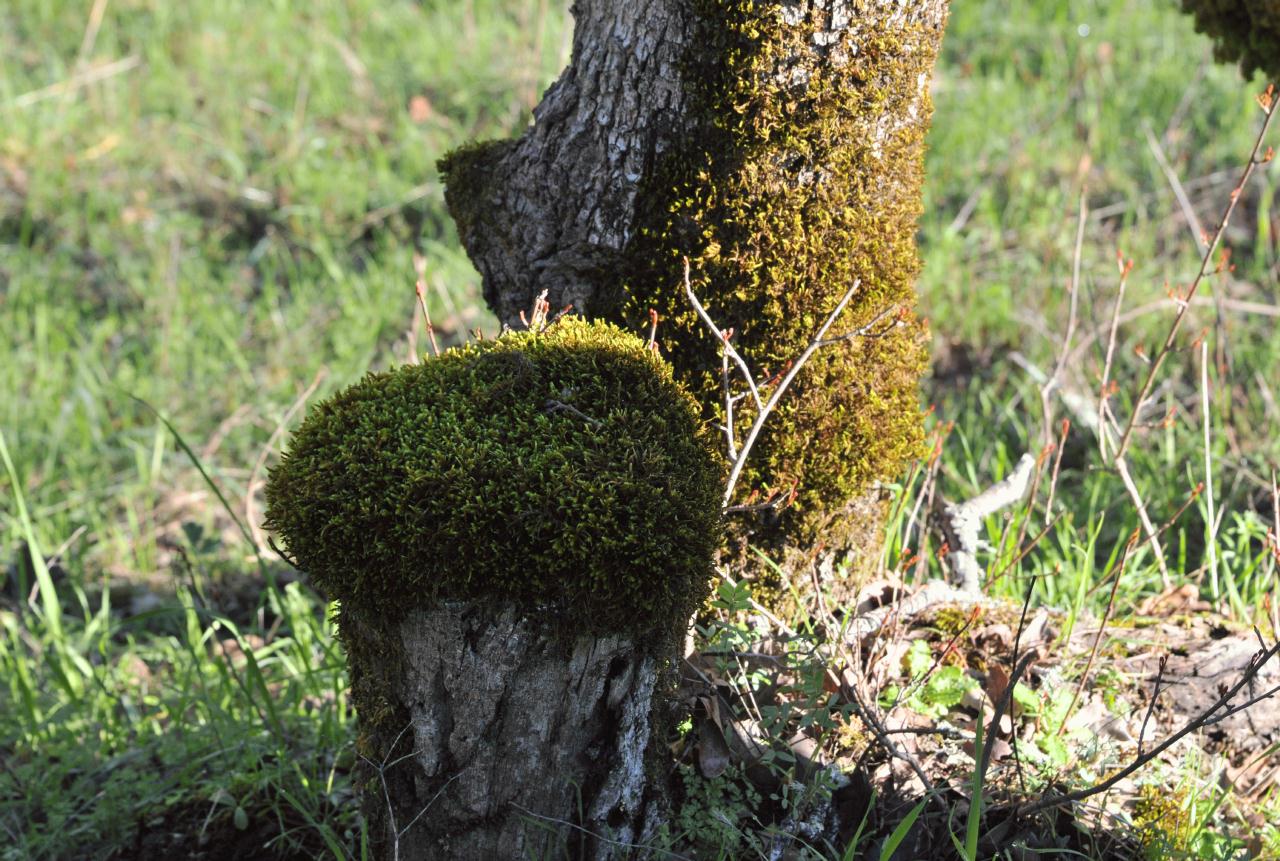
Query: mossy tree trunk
{"points": [[493, 740], [777, 144]]}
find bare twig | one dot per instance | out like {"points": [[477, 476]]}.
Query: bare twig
{"points": [[1211, 540], [877, 727], [1055, 378], [722, 338], [381, 768], [1153, 535], [1002, 706], [420, 287], [1104, 431], [590, 833], [1102, 627], [1219, 711], [1200, 236], [764, 408], [554, 406], [962, 521], [1151, 706], [1271, 107]]}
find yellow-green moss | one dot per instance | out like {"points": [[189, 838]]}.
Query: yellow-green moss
{"points": [[562, 472], [1244, 31], [784, 195], [1164, 824]]}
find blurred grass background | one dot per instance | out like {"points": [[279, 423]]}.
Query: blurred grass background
{"points": [[213, 207]]}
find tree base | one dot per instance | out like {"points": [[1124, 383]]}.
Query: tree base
{"points": [[485, 737]]}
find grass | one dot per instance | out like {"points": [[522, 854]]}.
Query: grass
{"points": [[208, 207]]}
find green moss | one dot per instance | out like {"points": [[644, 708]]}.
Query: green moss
{"points": [[564, 472], [1244, 31], [1164, 824], [466, 174], [786, 195]]}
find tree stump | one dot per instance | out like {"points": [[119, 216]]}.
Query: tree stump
{"points": [[517, 532], [513, 744]]}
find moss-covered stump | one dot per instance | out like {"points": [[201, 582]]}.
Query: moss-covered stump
{"points": [[517, 533], [1243, 31], [778, 146]]}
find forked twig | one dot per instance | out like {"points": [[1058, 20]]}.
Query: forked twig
{"points": [[766, 407], [1219, 711]]}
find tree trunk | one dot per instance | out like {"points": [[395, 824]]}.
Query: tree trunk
{"points": [[492, 740], [778, 146]]}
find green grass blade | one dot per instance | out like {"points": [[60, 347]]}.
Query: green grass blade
{"points": [[900, 833], [48, 596], [213, 485], [974, 821]]}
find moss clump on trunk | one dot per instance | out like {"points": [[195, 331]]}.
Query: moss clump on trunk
{"points": [[561, 472], [1243, 31], [803, 177]]}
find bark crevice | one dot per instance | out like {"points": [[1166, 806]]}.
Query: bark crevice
{"points": [[517, 725]]}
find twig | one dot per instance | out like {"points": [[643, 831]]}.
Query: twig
{"points": [[1201, 237], [1198, 232], [91, 29], [722, 338], [554, 406], [1001, 707], [1211, 540], [382, 213], [420, 287], [1270, 104], [1151, 706], [1102, 627], [1104, 432], [962, 521], [382, 768], [1153, 535], [1208, 717], [877, 727], [1270, 109], [1055, 378], [1055, 472], [782, 387], [760, 608], [765, 408]]}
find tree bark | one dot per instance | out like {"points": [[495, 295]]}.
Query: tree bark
{"points": [[494, 740], [778, 145]]}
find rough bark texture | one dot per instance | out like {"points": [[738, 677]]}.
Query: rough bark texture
{"points": [[515, 745], [556, 209], [777, 145]]}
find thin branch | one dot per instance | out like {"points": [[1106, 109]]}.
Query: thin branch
{"points": [[1271, 107], [1153, 535], [721, 337], [78, 80], [1151, 706], [250, 512], [781, 388], [420, 287], [1055, 378], [1208, 717], [963, 519], [1104, 433]]}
